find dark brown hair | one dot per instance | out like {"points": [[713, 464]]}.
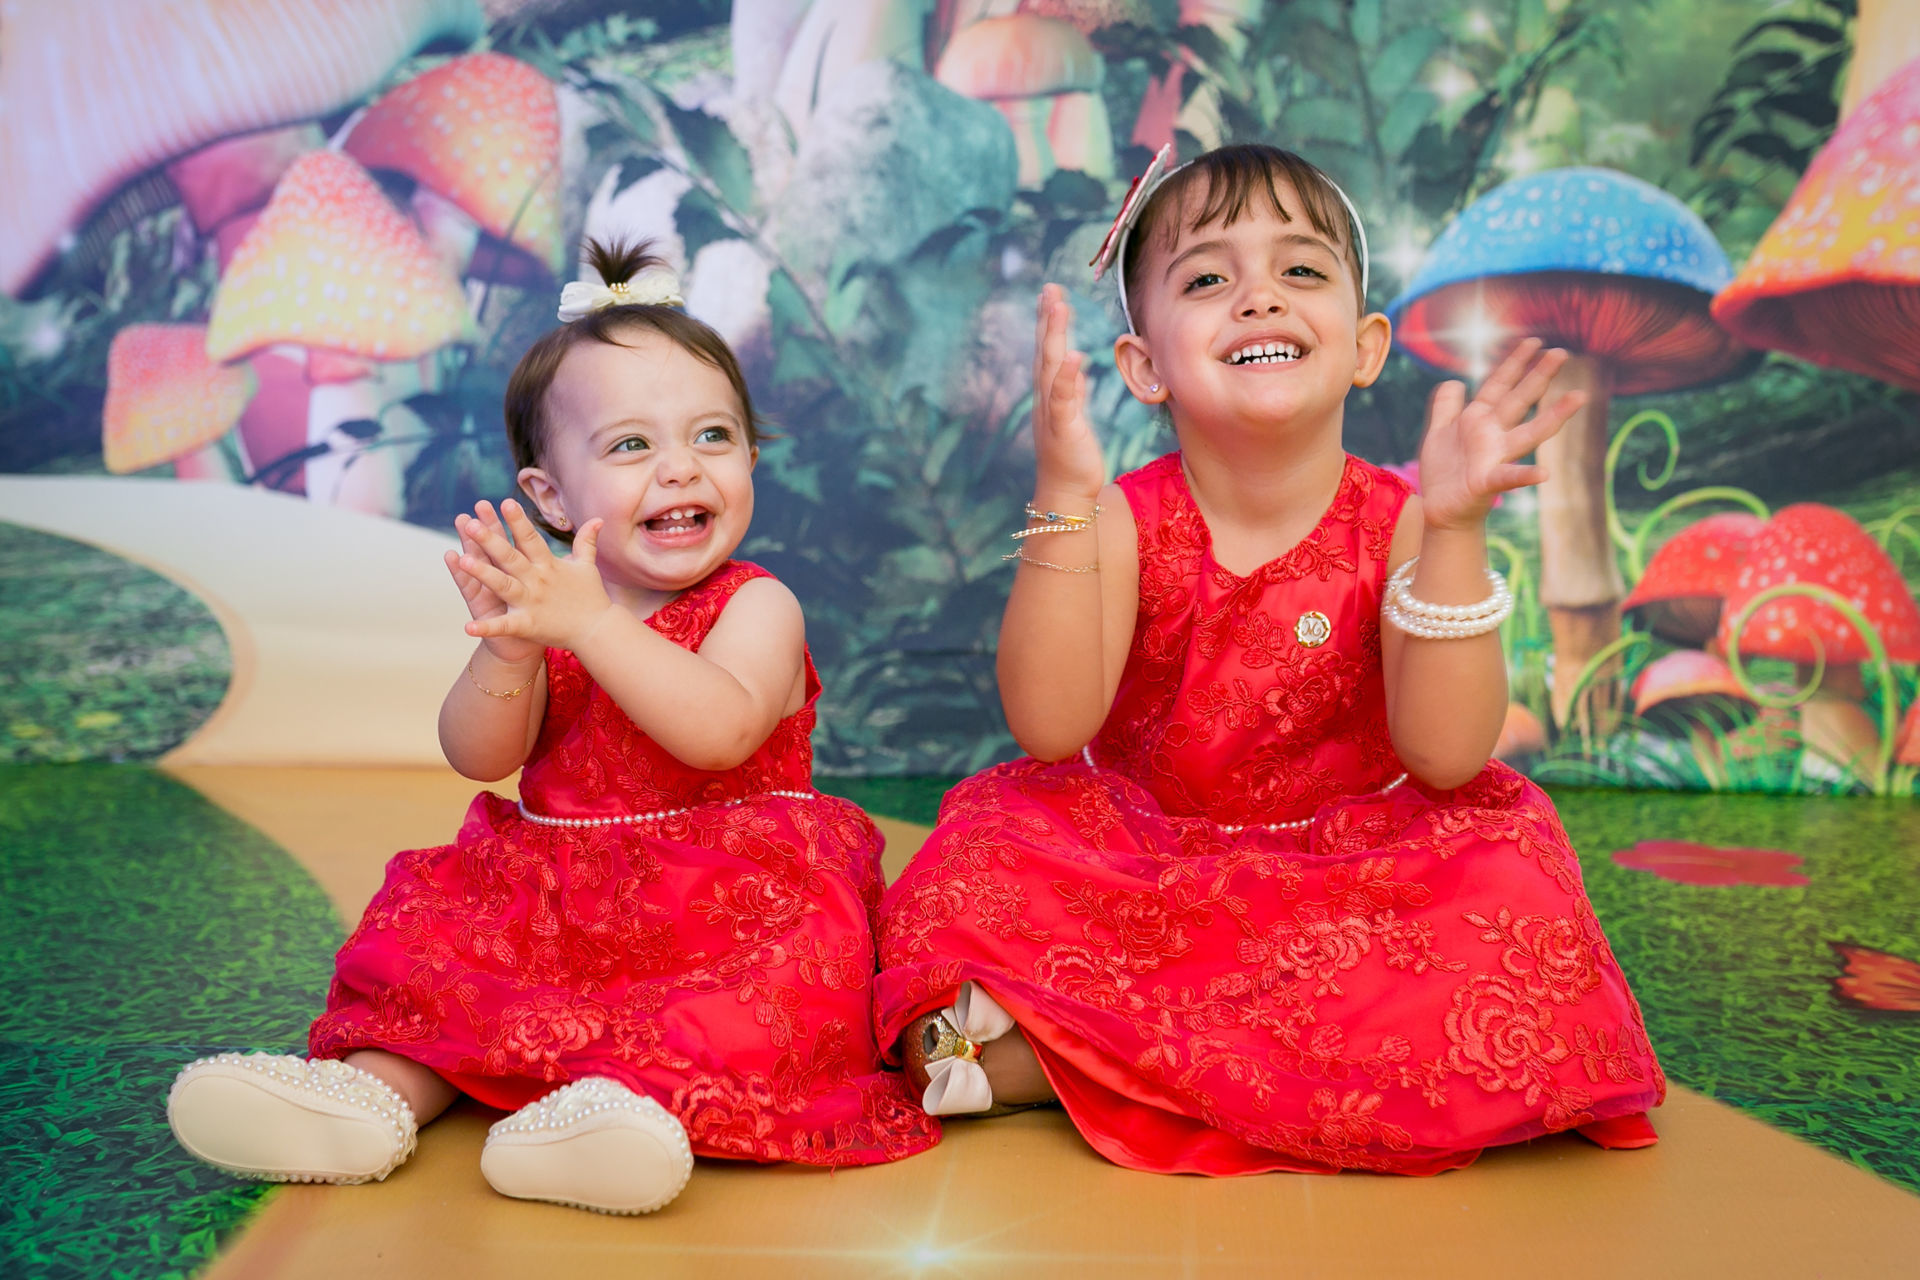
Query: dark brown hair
{"points": [[617, 261], [1231, 179]]}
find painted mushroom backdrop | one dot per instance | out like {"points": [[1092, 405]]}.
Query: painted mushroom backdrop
{"points": [[298, 246]]}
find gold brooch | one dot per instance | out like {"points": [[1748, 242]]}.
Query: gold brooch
{"points": [[1313, 629]]}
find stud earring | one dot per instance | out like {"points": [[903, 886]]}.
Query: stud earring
{"points": [[562, 523], [1153, 389]]}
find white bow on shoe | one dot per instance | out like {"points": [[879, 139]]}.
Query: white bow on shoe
{"points": [[956, 1083]]}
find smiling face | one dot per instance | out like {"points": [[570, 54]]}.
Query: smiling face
{"points": [[1247, 325], [652, 440]]}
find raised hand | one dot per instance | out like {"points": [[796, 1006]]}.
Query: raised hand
{"points": [[482, 602], [544, 599], [1070, 466], [1472, 451]]}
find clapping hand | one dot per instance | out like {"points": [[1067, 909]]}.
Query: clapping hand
{"points": [[1067, 454], [1472, 451], [522, 596]]}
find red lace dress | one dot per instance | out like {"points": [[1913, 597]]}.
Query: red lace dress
{"points": [[1397, 980], [719, 958]]}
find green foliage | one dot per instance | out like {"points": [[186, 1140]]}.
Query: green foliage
{"points": [[1778, 101], [124, 270], [105, 660]]}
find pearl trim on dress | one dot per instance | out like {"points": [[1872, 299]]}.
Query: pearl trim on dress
{"points": [[658, 815], [1231, 828]]}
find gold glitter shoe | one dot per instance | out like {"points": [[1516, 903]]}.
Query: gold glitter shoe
{"points": [[941, 1051], [282, 1118], [594, 1144]]}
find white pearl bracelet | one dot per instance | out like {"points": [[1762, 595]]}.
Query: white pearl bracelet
{"points": [[1444, 621], [658, 815]]}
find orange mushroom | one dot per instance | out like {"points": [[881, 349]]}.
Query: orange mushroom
{"points": [[1030, 68], [333, 273], [331, 263], [96, 96], [1521, 734], [1906, 746], [166, 402], [1836, 278], [481, 133]]}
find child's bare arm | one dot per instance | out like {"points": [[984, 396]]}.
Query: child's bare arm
{"points": [[1447, 698], [1070, 615], [710, 709], [491, 714]]}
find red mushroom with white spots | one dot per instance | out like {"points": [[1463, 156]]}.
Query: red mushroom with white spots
{"points": [[333, 275], [481, 136], [1805, 573], [166, 402], [1679, 595]]}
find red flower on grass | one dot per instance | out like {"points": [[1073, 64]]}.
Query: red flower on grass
{"points": [[1877, 979], [1685, 862]]}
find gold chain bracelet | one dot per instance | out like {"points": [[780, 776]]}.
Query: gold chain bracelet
{"points": [[1024, 558], [474, 680]]}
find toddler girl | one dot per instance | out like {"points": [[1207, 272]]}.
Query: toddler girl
{"points": [[664, 948], [1258, 900]]}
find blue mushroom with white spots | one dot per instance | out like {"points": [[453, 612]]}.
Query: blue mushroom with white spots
{"points": [[1620, 274]]}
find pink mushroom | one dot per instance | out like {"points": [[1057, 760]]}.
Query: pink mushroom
{"points": [[1034, 69], [166, 402], [481, 137], [1818, 546], [236, 175], [94, 98], [1836, 278], [1680, 593], [1886, 36]]}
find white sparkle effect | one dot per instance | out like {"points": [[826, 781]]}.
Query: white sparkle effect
{"points": [[1451, 82]]}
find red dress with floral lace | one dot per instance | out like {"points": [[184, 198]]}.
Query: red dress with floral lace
{"points": [[1399, 980], [718, 958]]}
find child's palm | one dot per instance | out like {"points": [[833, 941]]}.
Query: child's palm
{"points": [[482, 601], [1066, 451], [1472, 451]]}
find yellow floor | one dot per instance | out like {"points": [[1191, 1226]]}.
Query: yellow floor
{"points": [[1722, 1195]]}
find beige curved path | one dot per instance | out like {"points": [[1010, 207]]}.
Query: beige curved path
{"points": [[1722, 1195], [344, 627]]}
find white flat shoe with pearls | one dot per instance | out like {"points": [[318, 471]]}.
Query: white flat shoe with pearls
{"points": [[282, 1118], [593, 1144]]}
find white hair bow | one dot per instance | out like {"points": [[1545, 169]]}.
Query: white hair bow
{"points": [[654, 287]]}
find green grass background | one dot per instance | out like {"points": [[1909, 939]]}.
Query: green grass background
{"points": [[106, 660], [140, 927]]}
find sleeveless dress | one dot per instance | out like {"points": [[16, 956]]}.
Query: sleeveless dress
{"points": [[718, 958], [1236, 938]]}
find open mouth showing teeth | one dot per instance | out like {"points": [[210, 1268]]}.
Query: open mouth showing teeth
{"points": [[1265, 353], [679, 520]]}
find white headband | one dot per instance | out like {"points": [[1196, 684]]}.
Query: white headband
{"points": [[654, 287], [1113, 250]]}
